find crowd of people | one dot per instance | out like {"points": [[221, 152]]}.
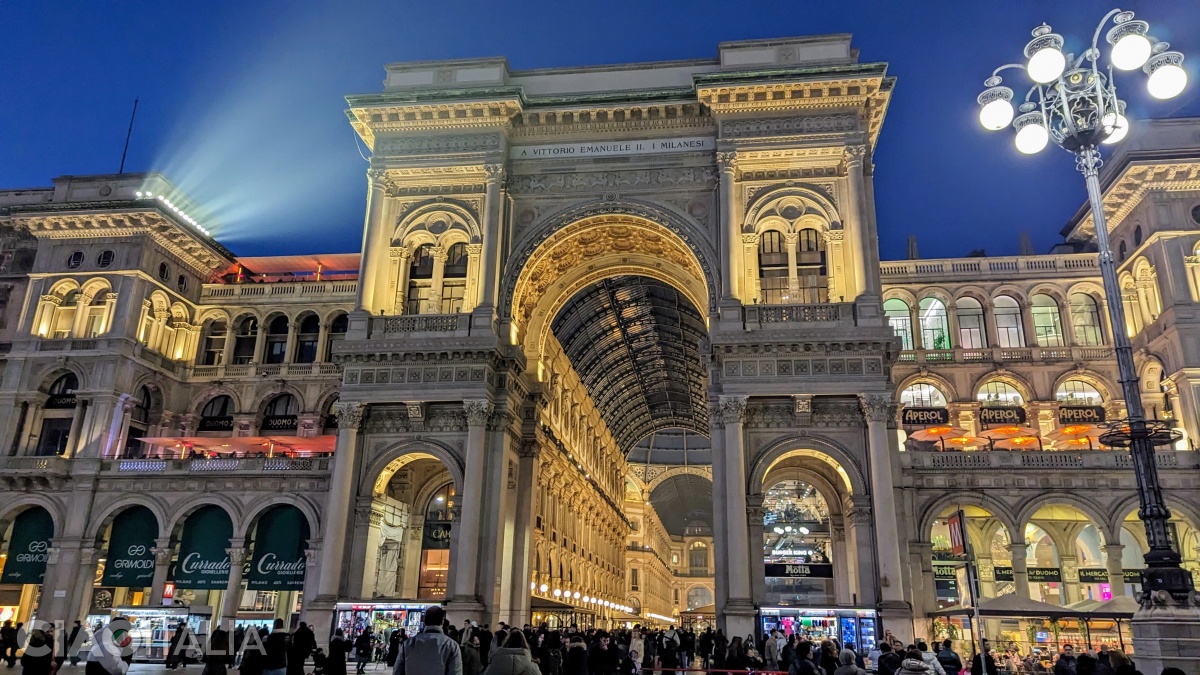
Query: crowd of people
{"points": [[441, 648]]}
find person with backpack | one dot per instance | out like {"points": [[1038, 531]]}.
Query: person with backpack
{"points": [[950, 660]]}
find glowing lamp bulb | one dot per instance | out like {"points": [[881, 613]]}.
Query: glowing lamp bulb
{"points": [[558, 592], [1032, 138], [576, 595], [1046, 65], [1131, 52], [1167, 81], [788, 528], [587, 598], [779, 530], [543, 588], [804, 530], [1118, 126], [996, 115]]}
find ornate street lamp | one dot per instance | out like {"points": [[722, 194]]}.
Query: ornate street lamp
{"points": [[1074, 103]]}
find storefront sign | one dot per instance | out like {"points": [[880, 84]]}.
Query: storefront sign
{"points": [[279, 423], [1132, 576], [1080, 414], [1002, 415], [130, 558], [1093, 576], [1002, 573], [215, 424], [29, 547], [1044, 574], [610, 148], [436, 535], [958, 540], [944, 572], [279, 560], [60, 401], [919, 417], [203, 562], [801, 570]]}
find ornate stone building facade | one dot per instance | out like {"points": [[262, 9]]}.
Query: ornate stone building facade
{"points": [[618, 347]]}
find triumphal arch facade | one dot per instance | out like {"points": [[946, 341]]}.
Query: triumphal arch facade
{"points": [[561, 264]]}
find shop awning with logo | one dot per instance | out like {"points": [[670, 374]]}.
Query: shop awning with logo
{"points": [[29, 547], [1009, 605], [130, 558], [280, 544], [203, 561], [244, 446]]}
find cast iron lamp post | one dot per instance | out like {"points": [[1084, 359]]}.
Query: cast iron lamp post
{"points": [[1074, 103]]}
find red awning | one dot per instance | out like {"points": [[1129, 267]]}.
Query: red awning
{"points": [[171, 446]]}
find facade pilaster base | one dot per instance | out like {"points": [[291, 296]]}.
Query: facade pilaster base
{"points": [[320, 614], [729, 312], [461, 608], [897, 617], [483, 317], [1166, 635], [740, 617]]}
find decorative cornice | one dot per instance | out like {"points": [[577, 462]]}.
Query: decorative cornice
{"points": [[377, 117], [1135, 182]]}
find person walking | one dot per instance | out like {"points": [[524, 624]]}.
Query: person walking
{"points": [[950, 660], [430, 652], [1065, 665], [38, 658], [987, 662], [393, 647], [304, 641], [104, 658], [913, 664], [514, 658], [363, 644], [803, 665], [275, 662], [471, 663], [72, 645], [771, 651], [930, 658], [8, 643], [335, 660], [847, 665], [219, 656], [576, 662]]}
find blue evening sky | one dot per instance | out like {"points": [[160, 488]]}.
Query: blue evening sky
{"points": [[242, 102]]}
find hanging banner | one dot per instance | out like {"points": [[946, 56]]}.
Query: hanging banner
{"points": [[29, 547], [1002, 415], [920, 417], [1093, 576], [958, 538], [130, 558], [1080, 414], [203, 562], [280, 541], [436, 535], [801, 570]]}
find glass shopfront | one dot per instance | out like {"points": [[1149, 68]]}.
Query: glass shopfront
{"points": [[382, 618], [796, 545], [856, 626]]}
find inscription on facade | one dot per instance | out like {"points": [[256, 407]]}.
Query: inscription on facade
{"points": [[608, 149]]}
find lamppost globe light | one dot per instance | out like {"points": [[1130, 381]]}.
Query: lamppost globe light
{"points": [[1167, 76], [996, 115], [1046, 65], [1131, 48], [1117, 125], [1031, 137]]}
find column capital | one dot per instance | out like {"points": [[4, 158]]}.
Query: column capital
{"points": [[237, 555], [350, 415], [376, 176], [876, 407], [495, 172], [733, 409], [854, 155], [727, 161], [478, 411]]}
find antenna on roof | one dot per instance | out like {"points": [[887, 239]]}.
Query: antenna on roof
{"points": [[1026, 246], [127, 135]]}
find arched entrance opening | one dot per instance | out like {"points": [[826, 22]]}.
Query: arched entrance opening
{"points": [[125, 574], [27, 536], [277, 566]]}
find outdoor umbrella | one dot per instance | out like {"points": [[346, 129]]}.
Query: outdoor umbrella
{"points": [[1007, 431], [1020, 443], [937, 433], [1076, 436]]}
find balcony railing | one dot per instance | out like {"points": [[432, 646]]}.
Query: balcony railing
{"points": [[1007, 355], [403, 326], [220, 465], [1073, 264], [1050, 459], [53, 465], [283, 291], [786, 316], [233, 371]]}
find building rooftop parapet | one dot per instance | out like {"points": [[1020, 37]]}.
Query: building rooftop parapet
{"points": [[985, 268]]}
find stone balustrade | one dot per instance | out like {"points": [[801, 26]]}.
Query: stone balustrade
{"points": [[201, 465], [260, 370], [1004, 267], [1041, 460], [387, 327], [1006, 355], [295, 291], [766, 317]]}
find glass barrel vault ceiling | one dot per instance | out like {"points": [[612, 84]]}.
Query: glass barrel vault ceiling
{"points": [[634, 342]]}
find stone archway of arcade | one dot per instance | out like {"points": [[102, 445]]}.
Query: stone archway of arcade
{"points": [[1069, 552], [211, 556]]}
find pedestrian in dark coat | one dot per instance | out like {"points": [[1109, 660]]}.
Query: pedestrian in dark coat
{"points": [[303, 644], [38, 658], [219, 657], [577, 657], [393, 648], [339, 647]]}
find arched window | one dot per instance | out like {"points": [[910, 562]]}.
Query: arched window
{"points": [[329, 418], [280, 415], [922, 395], [217, 414], [244, 340], [97, 315], [57, 415], [64, 316], [1047, 323], [699, 597], [1137, 236], [454, 279], [141, 407], [698, 557], [899, 317], [1078, 392], [65, 386], [935, 327], [1009, 330], [435, 543], [773, 268], [139, 423], [212, 350], [972, 332], [337, 333], [1123, 251], [811, 269], [420, 278], [277, 335], [999, 393], [307, 338], [1085, 320]]}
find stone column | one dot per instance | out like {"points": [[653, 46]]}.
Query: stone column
{"points": [[435, 287], [859, 517], [489, 267], [720, 504], [81, 593], [1019, 569], [727, 161], [877, 409], [233, 589], [376, 196], [163, 552], [791, 239], [1116, 571], [739, 608], [289, 347], [852, 221], [1069, 565], [1027, 326], [370, 554], [527, 482], [81, 407], [464, 590], [403, 258], [758, 571], [341, 495], [841, 561]]}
